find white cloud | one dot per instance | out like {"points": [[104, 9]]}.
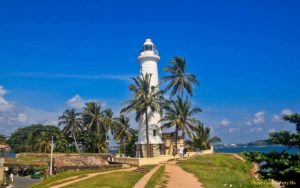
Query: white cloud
{"points": [[232, 130], [271, 130], [248, 123], [258, 129], [76, 102], [286, 112], [4, 104], [14, 116], [2, 91], [225, 122], [121, 77], [276, 118], [259, 117], [22, 118]]}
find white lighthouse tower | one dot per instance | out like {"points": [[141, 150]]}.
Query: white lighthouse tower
{"points": [[148, 59]]}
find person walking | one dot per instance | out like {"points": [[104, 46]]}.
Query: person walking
{"points": [[181, 152], [11, 176]]}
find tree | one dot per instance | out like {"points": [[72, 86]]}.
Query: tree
{"points": [[179, 80], [295, 119], [2, 139], [129, 145], [93, 120], [71, 121], [37, 138], [122, 130], [107, 124], [281, 166], [179, 113], [202, 139], [146, 99]]}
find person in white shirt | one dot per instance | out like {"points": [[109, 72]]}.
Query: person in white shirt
{"points": [[181, 152], [11, 176]]}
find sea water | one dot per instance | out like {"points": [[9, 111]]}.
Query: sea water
{"points": [[263, 149]]}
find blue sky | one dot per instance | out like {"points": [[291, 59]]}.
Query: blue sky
{"points": [[245, 54]]}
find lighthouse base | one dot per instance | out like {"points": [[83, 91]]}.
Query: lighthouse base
{"points": [[155, 150]]}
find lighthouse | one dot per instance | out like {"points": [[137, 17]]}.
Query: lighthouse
{"points": [[148, 60]]}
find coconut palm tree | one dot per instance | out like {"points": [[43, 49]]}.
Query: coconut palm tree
{"points": [[43, 142], [179, 80], [179, 113], [93, 118], [202, 137], [145, 100], [107, 124], [71, 121], [122, 130]]}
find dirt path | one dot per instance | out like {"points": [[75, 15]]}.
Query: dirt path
{"points": [[143, 181], [236, 156], [89, 176], [178, 178]]}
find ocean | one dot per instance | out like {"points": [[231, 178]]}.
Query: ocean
{"points": [[263, 149]]}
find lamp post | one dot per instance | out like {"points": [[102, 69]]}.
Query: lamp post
{"points": [[51, 158]]}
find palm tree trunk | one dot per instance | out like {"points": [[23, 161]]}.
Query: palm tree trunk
{"points": [[124, 148], [147, 135], [74, 137], [176, 138], [106, 142]]}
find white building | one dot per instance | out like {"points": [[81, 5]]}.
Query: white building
{"points": [[148, 59]]}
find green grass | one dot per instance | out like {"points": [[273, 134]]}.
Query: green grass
{"points": [[221, 170], [113, 180], [53, 180], [157, 178]]}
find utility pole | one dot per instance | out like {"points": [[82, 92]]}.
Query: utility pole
{"points": [[51, 159]]}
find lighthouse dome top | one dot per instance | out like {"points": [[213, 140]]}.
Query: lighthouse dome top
{"points": [[149, 50], [148, 42]]}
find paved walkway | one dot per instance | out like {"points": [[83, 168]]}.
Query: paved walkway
{"points": [[144, 180], [89, 176], [178, 178], [21, 182]]}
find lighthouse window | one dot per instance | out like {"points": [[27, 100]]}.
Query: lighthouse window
{"points": [[148, 48], [154, 132]]}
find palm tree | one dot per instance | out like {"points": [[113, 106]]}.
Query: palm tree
{"points": [[71, 121], [93, 119], [122, 130], [43, 142], [146, 99], [178, 79], [179, 113], [202, 137], [107, 124]]}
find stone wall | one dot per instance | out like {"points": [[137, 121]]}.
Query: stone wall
{"points": [[71, 160], [77, 160], [143, 161]]}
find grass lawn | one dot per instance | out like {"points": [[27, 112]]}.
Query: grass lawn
{"points": [[116, 179], [221, 170], [157, 178], [113, 180], [59, 178]]}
